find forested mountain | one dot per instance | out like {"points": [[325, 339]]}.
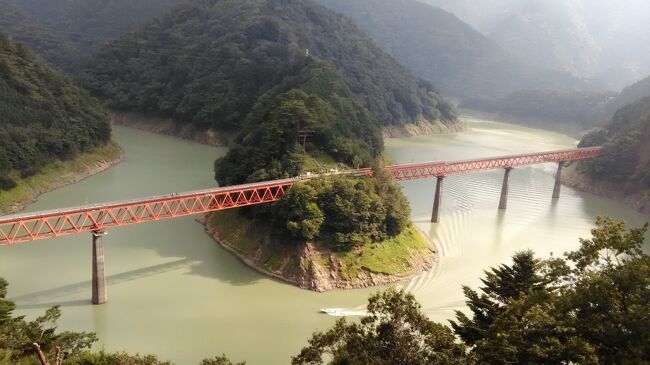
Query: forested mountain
{"points": [[44, 41], [625, 159], [440, 48], [89, 23], [630, 94], [208, 62], [568, 111], [43, 115], [604, 39], [63, 32]]}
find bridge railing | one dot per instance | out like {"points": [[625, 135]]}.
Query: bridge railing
{"points": [[440, 168], [99, 217]]}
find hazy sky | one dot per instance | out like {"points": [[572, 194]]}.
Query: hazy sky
{"points": [[608, 39]]}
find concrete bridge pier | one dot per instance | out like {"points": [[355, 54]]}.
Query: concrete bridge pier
{"points": [[435, 215], [503, 203], [99, 277], [558, 180]]}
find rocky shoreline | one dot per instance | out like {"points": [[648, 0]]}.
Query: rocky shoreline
{"points": [[168, 127], [312, 275], [213, 138], [640, 201], [64, 179], [423, 128]]}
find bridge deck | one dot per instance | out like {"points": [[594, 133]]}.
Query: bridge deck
{"points": [[26, 227]]}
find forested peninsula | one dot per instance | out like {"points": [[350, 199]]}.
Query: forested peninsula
{"points": [[296, 89], [51, 132]]}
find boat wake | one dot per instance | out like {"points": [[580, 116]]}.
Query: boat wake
{"points": [[343, 312]]}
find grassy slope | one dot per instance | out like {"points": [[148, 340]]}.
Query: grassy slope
{"points": [[58, 174], [394, 257]]}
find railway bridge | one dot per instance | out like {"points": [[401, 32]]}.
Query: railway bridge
{"points": [[97, 218]]}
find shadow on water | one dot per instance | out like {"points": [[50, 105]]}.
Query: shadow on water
{"points": [[45, 305], [84, 286], [47, 298], [499, 227], [185, 239]]}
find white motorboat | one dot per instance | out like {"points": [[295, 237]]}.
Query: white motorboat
{"points": [[331, 311]]}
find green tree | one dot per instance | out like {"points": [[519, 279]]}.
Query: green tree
{"points": [[502, 285], [220, 360], [17, 334], [44, 117], [299, 214], [117, 358], [345, 211], [517, 318], [590, 307], [608, 293], [597, 137], [395, 332], [398, 210], [511, 295], [354, 213], [6, 306]]}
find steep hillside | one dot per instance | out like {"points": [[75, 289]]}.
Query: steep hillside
{"points": [[89, 23], [571, 112], [47, 43], [624, 165], [630, 94], [208, 62], [626, 154], [567, 112], [440, 48], [43, 116], [549, 33]]}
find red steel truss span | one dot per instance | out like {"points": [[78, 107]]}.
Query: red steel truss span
{"points": [[99, 217]]}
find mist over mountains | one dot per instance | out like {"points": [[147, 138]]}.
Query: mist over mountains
{"points": [[542, 61], [605, 39], [437, 46]]}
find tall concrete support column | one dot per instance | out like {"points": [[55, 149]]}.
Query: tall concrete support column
{"points": [[503, 203], [99, 277], [558, 180], [435, 215]]}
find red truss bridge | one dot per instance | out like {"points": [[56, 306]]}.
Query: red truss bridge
{"points": [[97, 218]]}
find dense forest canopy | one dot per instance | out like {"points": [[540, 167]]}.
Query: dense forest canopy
{"points": [[208, 62], [316, 104], [89, 23], [43, 115], [582, 110], [316, 118], [626, 154], [574, 110], [343, 212], [64, 32], [47, 43], [438, 47]]}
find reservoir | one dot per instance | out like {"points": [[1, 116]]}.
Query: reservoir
{"points": [[173, 292]]}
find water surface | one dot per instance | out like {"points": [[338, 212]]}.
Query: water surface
{"points": [[173, 292]]}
